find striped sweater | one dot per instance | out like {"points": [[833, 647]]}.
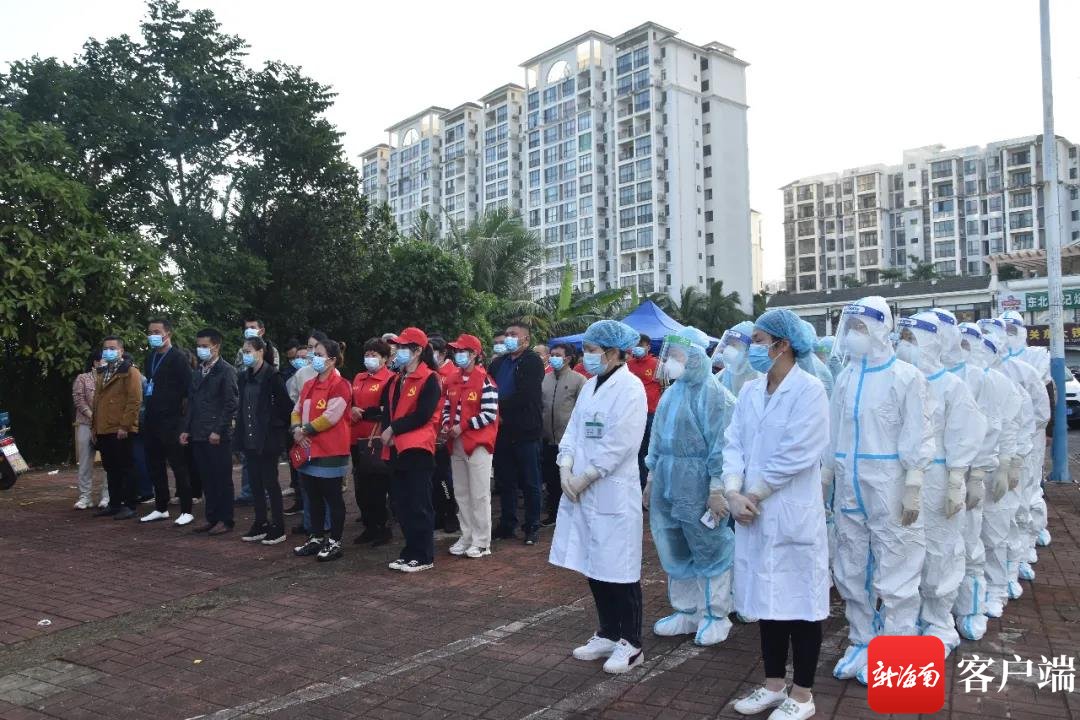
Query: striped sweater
{"points": [[489, 408]]}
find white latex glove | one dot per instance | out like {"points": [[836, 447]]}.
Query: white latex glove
{"points": [[577, 484], [912, 502], [741, 508], [827, 476], [976, 488], [646, 492], [1001, 480], [566, 467], [954, 492], [1016, 469], [718, 504]]}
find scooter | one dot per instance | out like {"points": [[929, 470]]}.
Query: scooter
{"points": [[12, 464]]}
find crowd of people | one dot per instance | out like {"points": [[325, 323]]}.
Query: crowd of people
{"points": [[900, 462]]}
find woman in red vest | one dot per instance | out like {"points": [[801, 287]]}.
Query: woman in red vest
{"points": [[371, 475], [470, 418], [410, 405], [320, 427]]}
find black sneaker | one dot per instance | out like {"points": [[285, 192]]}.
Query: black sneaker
{"points": [[295, 509], [502, 533], [124, 514], [311, 547], [532, 537], [274, 535], [105, 512], [549, 521], [255, 534], [330, 551]]}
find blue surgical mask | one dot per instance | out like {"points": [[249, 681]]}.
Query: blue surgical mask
{"points": [[299, 363], [556, 362], [403, 357], [512, 344], [372, 363], [155, 341], [249, 359], [499, 348], [758, 356], [251, 333], [110, 355], [318, 363], [638, 352], [594, 363], [203, 353], [461, 359]]}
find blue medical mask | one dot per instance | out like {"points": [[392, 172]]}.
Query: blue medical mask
{"points": [[203, 353], [499, 348], [556, 362], [758, 356], [299, 363], [318, 363], [638, 352], [461, 359], [249, 359], [251, 333], [372, 363], [512, 344], [155, 341], [110, 355], [594, 363], [403, 357]]}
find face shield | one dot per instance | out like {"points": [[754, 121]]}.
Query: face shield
{"points": [[994, 329], [1015, 332], [863, 333], [974, 348], [730, 352], [675, 356], [919, 344]]}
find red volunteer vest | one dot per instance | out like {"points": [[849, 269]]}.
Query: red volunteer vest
{"points": [[645, 369], [366, 391], [422, 438], [335, 441], [469, 392]]}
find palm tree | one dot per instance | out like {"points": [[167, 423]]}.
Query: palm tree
{"points": [[425, 228], [891, 275], [721, 310], [568, 312], [922, 270]]}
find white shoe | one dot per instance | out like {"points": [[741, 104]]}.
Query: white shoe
{"points": [[477, 552], [1026, 572], [971, 627], [104, 502], [854, 659], [745, 619], [595, 649], [414, 566], [1043, 539], [625, 658], [459, 548], [184, 519], [82, 504], [995, 607], [678, 623], [397, 564], [760, 700], [154, 516], [791, 710], [1015, 590]]}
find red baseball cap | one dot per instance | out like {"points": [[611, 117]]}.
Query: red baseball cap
{"points": [[411, 336], [467, 342]]}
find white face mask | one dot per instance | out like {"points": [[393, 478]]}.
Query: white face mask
{"points": [[908, 352], [733, 356], [674, 369], [857, 345]]}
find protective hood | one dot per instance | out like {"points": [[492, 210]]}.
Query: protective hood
{"points": [[864, 332], [919, 334], [978, 349], [683, 357], [994, 329], [1015, 331], [949, 334]]}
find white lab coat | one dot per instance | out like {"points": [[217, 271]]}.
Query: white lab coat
{"points": [[782, 557], [600, 535]]}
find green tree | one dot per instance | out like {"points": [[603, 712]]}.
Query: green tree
{"points": [[922, 270], [566, 313], [850, 281], [891, 275], [1009, 272], [761, 303], [66, 281], [722, 311]]}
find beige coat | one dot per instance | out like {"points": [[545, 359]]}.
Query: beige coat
{"points": [[559, 392], [116, 403]]}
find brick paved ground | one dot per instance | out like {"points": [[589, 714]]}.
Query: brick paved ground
{"points": [[156, 622]]}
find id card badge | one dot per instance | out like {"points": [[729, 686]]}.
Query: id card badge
{"points": [[708, 520], [594, 428], [149, 388]]}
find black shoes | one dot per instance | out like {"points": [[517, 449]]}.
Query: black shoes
{"points": [[274, 535], [255, 534], [532, 537], [311, 547]]}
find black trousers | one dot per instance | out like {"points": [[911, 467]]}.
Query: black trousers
{"points": [[618, 605], [263, 476], [411, 495], [549, 471], [371, 484], [322, 492], [803, 636], [643, 451], [118, 463], [215, 469], [194, 479], [164, 448], [442, 490]]}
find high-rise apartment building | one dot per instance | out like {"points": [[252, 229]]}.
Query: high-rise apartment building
{"points": [[952, 208], [627, 155]]}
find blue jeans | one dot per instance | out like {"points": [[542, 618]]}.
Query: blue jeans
{"points": [[517, 465], [245, 481], [307, 509], [144, 486]]}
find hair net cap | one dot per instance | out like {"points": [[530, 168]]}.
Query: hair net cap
{"points": [[695, 336], [782, 323], [611, 334]]}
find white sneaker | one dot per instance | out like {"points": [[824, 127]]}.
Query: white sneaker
{"points": [[477, 552], [414, 566], [596, 648], [459, 548], [184, 519], [82, 504], [760, 700], [397, 564], [625, 658], [791, 710], [154, 516], [104, 502]]}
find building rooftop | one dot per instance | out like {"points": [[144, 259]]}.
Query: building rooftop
{"points": [[501, 91], [432, 110], [941, 286], [460, 109], [572, 42], [374, 149]]}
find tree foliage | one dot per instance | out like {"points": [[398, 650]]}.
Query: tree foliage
{"points": [[921, 269]]}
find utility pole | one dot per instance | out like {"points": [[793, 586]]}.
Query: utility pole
{"points": [[1060, 471]]}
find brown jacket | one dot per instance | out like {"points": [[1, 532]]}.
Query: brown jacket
{"points": [[117, 402], [560, 393]]}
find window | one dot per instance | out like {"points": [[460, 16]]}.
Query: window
{"points": [[707, 150], [994, 204], [1020, 220], [807, 246], [1019, 179], [709, 216], [1020, 157], [708, 172], [971, 207], [1020, 199], [865, 183], [944, 228], [868, 257], [709, 239], [807, 283], [943, 207], [806, 227], [626, 217], [626, 195], [972, 227], [705, 106], [585, 163], [626, 172], [970, 167], [940, 169], [1023, 241], [807, 264], [994, 225], [971, 187], [644, 191], [943, 189], [868, 239], [944, 249]]}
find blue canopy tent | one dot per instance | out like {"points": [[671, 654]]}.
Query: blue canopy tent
{"points": [[646, 318]]}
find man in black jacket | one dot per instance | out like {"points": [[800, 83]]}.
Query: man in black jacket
{"points": [[211, 408], [518, 374], [168, 379]]}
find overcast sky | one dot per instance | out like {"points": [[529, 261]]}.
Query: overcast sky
{"points": [[831, 84]]}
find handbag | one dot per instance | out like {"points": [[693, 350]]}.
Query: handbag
{"points": [[299, 455]]}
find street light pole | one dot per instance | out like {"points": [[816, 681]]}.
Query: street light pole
{"points": [[1060, 471]]}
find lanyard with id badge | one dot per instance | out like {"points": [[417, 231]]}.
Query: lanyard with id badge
{"points": [[594, 427], [155, 362]]}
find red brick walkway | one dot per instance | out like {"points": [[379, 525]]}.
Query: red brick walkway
{"points": [[155, 622]]}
